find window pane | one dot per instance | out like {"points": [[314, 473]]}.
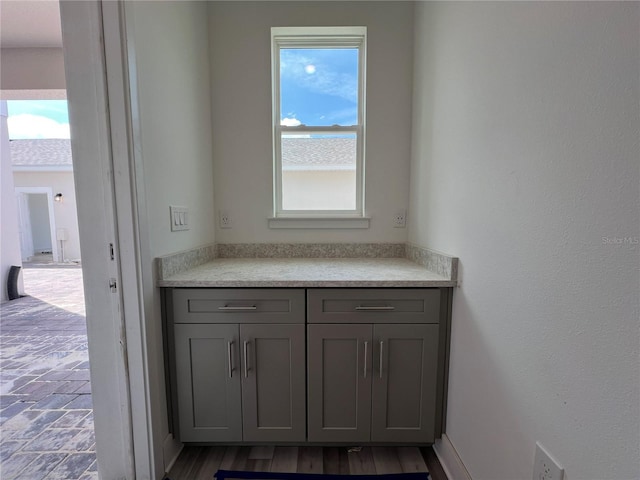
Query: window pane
{"points": [[319, 86], [319, 172]]}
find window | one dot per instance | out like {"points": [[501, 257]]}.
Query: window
{"points": [[318, 121]]}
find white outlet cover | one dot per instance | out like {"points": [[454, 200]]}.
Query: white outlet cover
{"points": [[545, 467], [224, 219], [400, 219]]}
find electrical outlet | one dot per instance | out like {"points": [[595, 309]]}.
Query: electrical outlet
{"points": [[545, 467], [400, 219], [224, 219]]}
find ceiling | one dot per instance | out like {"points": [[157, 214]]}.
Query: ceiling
{"points": [[29, 23]]}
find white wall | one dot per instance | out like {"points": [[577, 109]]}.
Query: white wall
{"points": [[241, 99], [9, 233], [64, 212], [173, 73], [525, 165], [172, 128], [32, 69]]}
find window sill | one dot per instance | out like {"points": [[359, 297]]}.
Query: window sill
{"points": [[317, 222]]}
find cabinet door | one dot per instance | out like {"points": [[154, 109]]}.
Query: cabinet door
{"points": [[404, 383], [273, 383], [339, 382], [208, 381]]}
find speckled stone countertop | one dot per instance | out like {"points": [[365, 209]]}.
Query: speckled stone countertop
{"points": [[307, 272]]}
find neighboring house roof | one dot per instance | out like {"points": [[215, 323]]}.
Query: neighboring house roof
{"points": [[41, 153], [318, 153], [297, 153]]}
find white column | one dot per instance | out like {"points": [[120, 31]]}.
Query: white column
{"points": [[9, 233]]}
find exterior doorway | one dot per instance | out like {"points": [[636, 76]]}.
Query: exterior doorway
{"points": [[36, 223]]}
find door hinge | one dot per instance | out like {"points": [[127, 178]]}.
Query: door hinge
{"points": [[111, 252], [113, 285]]}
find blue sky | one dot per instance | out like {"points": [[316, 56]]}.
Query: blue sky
{"points": [[38, 119], [319, 86]]}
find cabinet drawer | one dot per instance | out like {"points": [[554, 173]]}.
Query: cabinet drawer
{"points": [[371, 305], [207, 305]]}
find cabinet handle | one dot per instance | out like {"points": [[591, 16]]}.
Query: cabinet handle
{"points": [[229, 346], [381, 346], [239, 308], [246, 367], [375, 309], [366, 346]]}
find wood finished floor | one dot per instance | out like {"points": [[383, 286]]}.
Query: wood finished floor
{"points": [[200, 463]]}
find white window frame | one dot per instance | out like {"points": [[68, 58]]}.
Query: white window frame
{"points": [[318, 37]]}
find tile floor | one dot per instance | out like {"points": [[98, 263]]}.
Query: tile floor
{"points": [[46, 418]]}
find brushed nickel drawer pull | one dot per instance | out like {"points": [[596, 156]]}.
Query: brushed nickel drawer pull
{"points": [[381, 345], [227, 308], [246, 367], [229, 346], [366, 346], [375, 309]]}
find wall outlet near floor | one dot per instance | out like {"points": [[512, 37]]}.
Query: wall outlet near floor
{"points": [[224, 219], [400, 219], [545, 467]]}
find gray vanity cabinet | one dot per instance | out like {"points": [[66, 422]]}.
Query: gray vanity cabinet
{"points": [[208, 382], [273, 383], [322, 365], [339, 382], [240, 365], [374, 380], [404, 383]]}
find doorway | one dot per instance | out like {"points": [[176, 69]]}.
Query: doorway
{"points": [[36, 222]]}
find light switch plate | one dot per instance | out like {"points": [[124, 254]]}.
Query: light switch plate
{"points": [[179, 217]]}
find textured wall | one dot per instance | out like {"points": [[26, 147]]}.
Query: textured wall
{"points": [[172, 61], [525, 165], [241, 98]]}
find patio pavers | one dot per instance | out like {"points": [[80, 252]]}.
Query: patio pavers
{"points": [[46, 417]]}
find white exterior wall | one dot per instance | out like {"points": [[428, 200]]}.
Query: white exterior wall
{"points": [[308, 189], [525, 165], [65, 215], [9, 233], [242, 131]]}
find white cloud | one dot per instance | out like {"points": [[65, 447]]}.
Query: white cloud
{"points": [[290, 122], [26, 125]]}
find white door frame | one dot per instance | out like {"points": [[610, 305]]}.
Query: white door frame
{"points": [[99, 113], [52, 219]]}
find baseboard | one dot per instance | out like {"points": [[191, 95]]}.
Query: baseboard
{"points": [[171, 449], [450, 460]]}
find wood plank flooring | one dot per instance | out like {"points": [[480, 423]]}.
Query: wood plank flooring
{"points": [[200, 463]]}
